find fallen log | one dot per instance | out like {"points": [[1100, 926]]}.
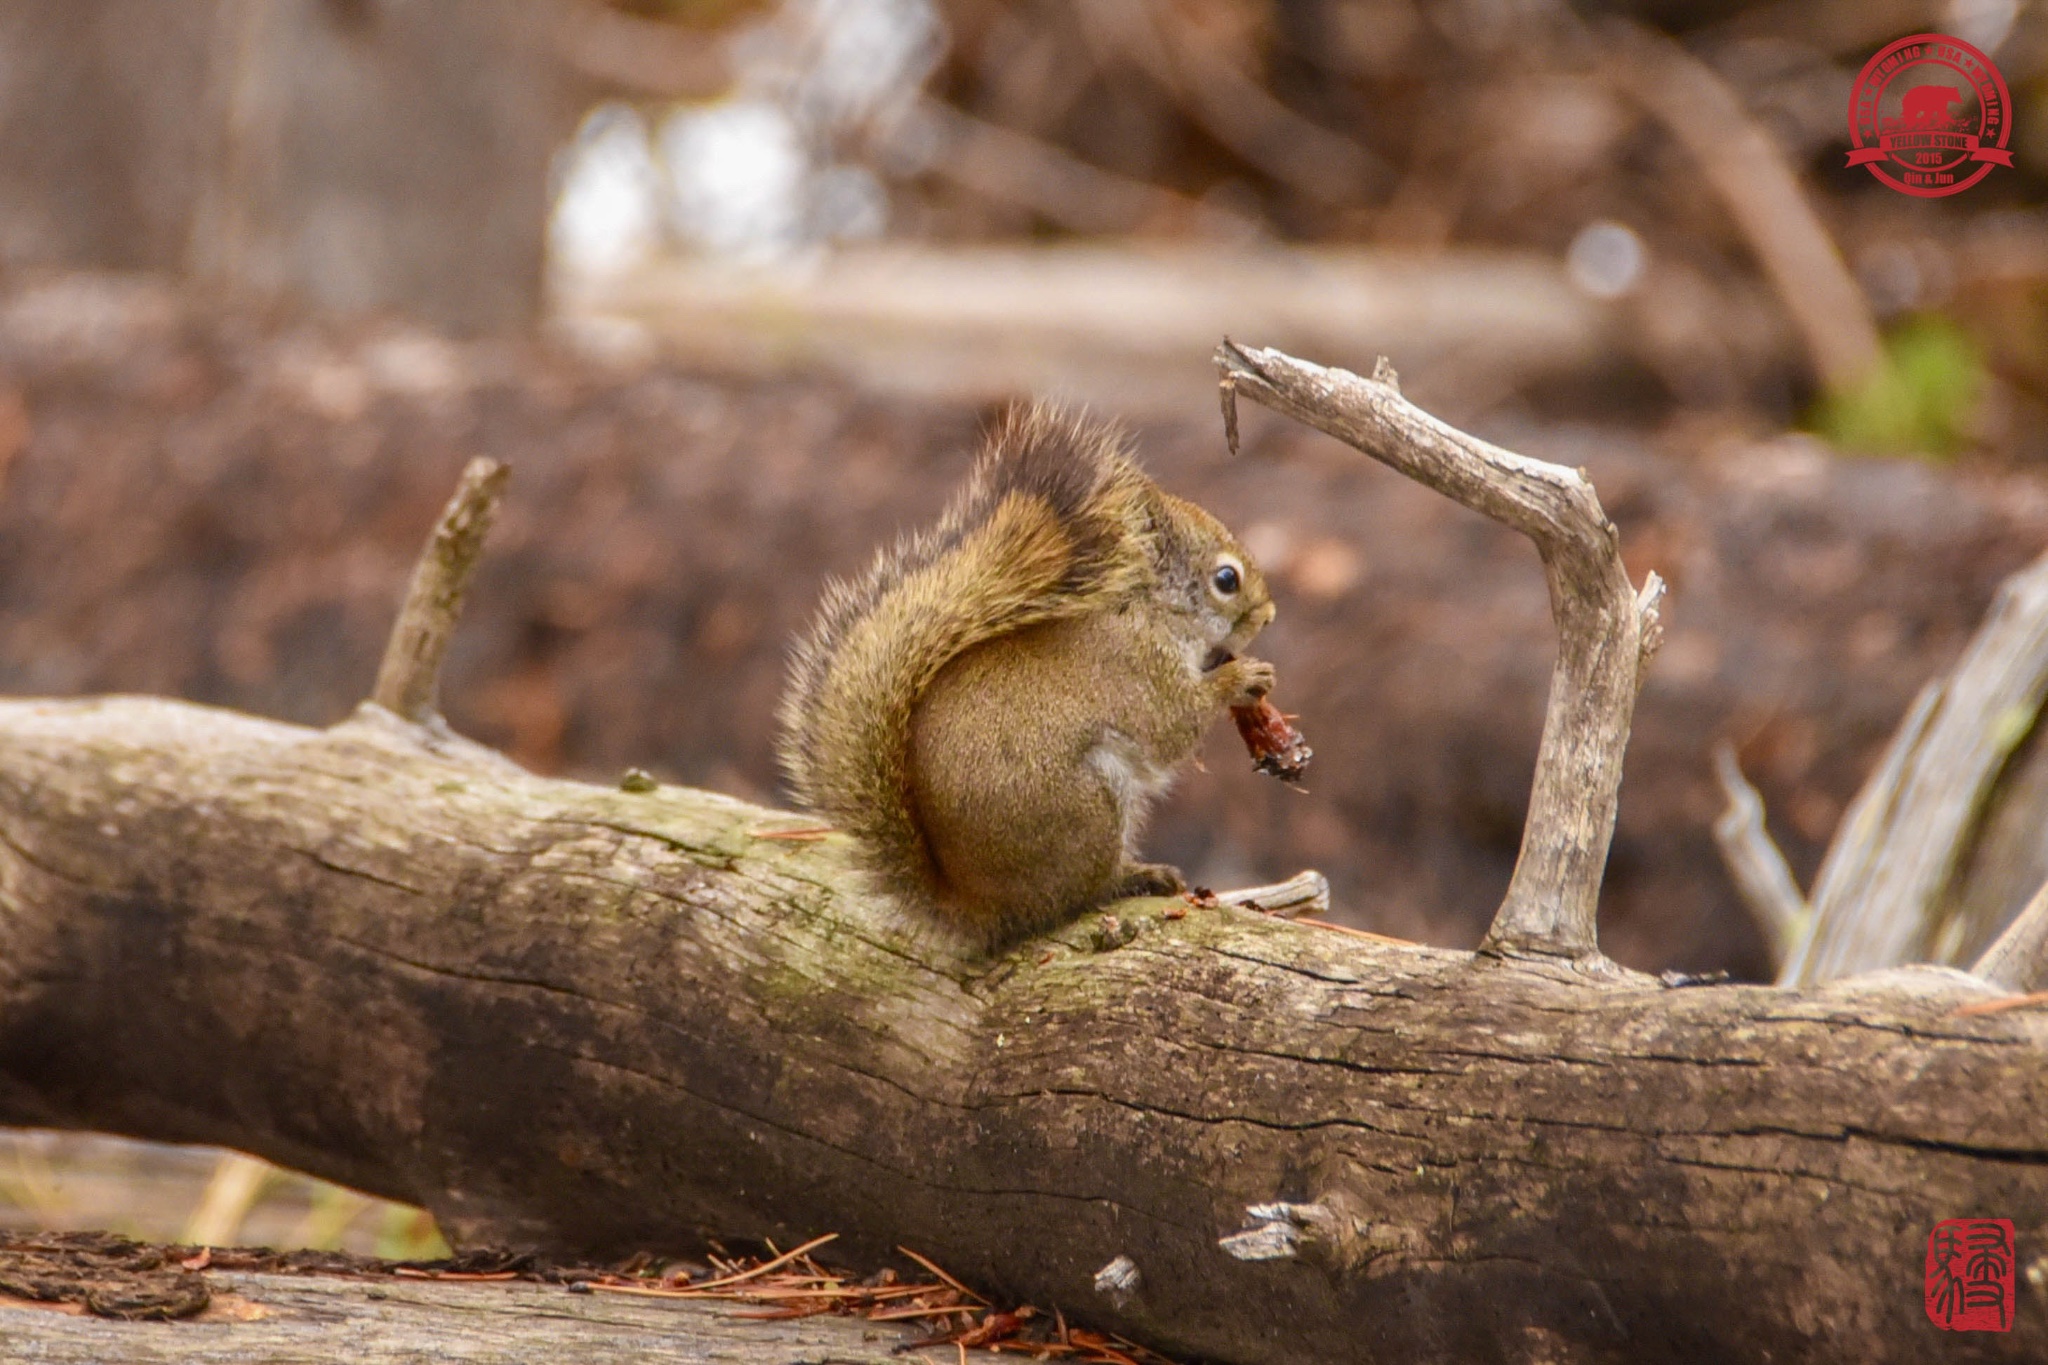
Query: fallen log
{"points": [[591, 1020], [596, 1020], [269, 1317]]}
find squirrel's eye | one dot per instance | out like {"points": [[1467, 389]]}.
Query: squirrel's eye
{"points": [[1226, 580]]}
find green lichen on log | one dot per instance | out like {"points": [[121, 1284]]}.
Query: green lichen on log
{"points": [[568, 1016]]}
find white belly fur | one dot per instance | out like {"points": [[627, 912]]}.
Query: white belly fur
{"points": [[1135, 780]]}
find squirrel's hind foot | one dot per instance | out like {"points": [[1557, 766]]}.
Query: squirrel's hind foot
{"points": [[1148, 879]]}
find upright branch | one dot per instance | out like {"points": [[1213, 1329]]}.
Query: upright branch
{"points": [[409, 679], [1607, 630]]}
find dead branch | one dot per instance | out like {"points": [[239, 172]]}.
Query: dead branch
{"points": [[409, 679], [1305, 893], [1607, 630], [1754, 862], [1881, 891], [643, 57]]}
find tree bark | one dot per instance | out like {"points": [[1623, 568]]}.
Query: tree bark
{"points": [[591, 1020]]}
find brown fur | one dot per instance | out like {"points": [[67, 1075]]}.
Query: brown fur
{"points": [[932, 712]]}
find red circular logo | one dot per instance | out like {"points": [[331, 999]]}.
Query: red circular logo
{"points": [[1930, 116]]}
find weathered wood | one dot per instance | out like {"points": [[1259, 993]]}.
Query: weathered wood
{"points": [[1607, 631], [1881, 895], [593, 1019], [288, 1319], [666, 531]]}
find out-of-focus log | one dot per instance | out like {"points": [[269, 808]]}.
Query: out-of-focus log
{"points": [[350, 154]]}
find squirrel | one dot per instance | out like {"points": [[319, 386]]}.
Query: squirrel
{"points": [[991, 708]]}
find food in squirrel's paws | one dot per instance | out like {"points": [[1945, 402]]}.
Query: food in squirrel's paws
{"points": [[1276, 747]]}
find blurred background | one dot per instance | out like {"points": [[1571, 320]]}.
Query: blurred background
{"points": [[732, 286]]}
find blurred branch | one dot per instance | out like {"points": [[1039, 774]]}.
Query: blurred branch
{"points": [[1882, 886], [641, 56], [237, 1182], [1749, 173], [1754, 862], [1839, 27], [1229, 104], [1016, 168]]}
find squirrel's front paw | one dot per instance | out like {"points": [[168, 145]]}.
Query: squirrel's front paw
{"points": [[1243, 681]]}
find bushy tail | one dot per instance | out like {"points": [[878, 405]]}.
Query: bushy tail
{"points": [[1055, 520]]}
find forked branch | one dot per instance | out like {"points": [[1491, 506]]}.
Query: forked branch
{"points": [[1607, 630]]}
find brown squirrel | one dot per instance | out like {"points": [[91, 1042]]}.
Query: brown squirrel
{"points": [[992, 706]]}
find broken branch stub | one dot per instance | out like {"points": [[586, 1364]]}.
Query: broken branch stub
{"points": [[409, 678], [1606, 629]]}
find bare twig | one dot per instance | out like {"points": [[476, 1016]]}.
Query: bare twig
{"points": [[1305, 893], [1606, 629], [2018, 958], [409, 680], [1882, 886], [1750, 174], [1754, 862], [1979, 1008]]}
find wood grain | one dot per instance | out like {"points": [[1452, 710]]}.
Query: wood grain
{"points": [[591, 1020]]}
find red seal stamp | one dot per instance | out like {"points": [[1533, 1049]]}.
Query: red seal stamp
{"points": [[1930, 116], [1970, 1265]]}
